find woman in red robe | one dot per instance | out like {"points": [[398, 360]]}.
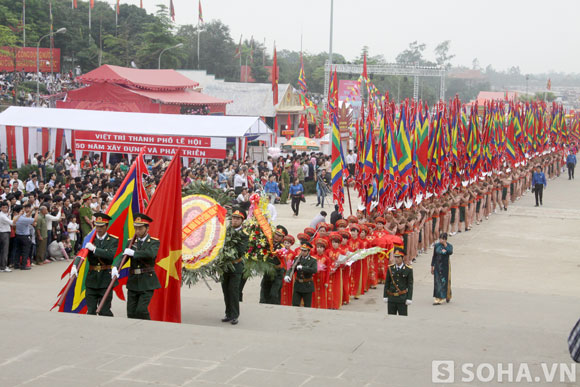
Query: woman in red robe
{"points": [[320, 295], [288, 287], [335, 277], [364, 231], [356, 268], [343, 249]]}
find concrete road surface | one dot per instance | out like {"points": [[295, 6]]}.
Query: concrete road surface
{"points": [[516, 295]]}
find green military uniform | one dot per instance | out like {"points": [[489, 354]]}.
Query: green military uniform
{"points": [[398, 288], [304, 284], [271, 284], [85, 211], [142, 277], [99, 276], [285, 177], [231, 280]]}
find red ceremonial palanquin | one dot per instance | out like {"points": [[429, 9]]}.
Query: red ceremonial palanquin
{"points": [[334, 281], [288, 288]]}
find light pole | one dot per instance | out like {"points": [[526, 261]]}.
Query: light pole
{"points": [[59, 31], [165, 49]]}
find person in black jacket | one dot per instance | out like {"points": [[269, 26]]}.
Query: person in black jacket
{"points": [[335, 216]]}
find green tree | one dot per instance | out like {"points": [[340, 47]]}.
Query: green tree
{"points": [[157, 36], [216, 49], [442, 55], [413, 54]]}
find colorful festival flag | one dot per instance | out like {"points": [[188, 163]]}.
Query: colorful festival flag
{"points": [[165, 210], [200, 13]]}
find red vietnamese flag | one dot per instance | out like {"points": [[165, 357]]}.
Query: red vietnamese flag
{"points": [[165, 210]]}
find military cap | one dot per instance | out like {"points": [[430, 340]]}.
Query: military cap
{"points": [[306, 246], [290, 239], [380, 219], [281, 230], [399, 251], [102, 219], [141, 220], [87, 196], [240, 213], [341, 223]]}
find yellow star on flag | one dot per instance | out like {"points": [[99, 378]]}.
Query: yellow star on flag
{"points": [[168, 264]]}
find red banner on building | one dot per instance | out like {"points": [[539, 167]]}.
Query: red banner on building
{"points": [[26, 59], [200, 147]]}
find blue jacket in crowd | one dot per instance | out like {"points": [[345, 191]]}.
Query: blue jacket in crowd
{"points": [[272, 187], [571, 159], [539, 178]]}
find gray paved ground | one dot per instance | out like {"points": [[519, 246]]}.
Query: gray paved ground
{"points": [[516, 288]]}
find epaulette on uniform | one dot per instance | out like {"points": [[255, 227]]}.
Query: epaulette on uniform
{"points": [[155, 239]]}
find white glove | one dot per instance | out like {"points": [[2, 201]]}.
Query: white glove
{"points": [[386, 300], [114, 272], [74, 271], [129, 252], [408, 302], [299, 267], [287, 279], [89, 246]]}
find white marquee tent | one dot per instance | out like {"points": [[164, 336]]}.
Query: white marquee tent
{"points": [[25, 131]]}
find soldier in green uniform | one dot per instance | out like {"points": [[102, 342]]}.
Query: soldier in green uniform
{"points": [[142, 277], [271, 284], [398, 285], [304, 266], [86, 215], [231, 279], [285, 186], [100, 257]]}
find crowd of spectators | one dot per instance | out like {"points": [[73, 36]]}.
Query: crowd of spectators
{"points": [[45, 216], [12, 90]]}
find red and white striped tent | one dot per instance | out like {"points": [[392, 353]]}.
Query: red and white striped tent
{"points": [[25, 131]]}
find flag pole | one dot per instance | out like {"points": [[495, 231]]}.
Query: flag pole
{"points": [[24, 24], [348, 193], [198, 35]]}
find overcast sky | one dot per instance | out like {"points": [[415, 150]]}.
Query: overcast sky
{"points": [[537, 35]]}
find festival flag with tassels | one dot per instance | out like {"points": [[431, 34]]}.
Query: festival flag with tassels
{"points": [[302, 77], [422, 148], [337, 167], [129, 199]]}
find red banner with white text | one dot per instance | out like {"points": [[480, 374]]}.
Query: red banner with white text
{"points": [[26, 59], [199, 147]]}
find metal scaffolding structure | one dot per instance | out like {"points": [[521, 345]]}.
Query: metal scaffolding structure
{"points": [[414, 71]]}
